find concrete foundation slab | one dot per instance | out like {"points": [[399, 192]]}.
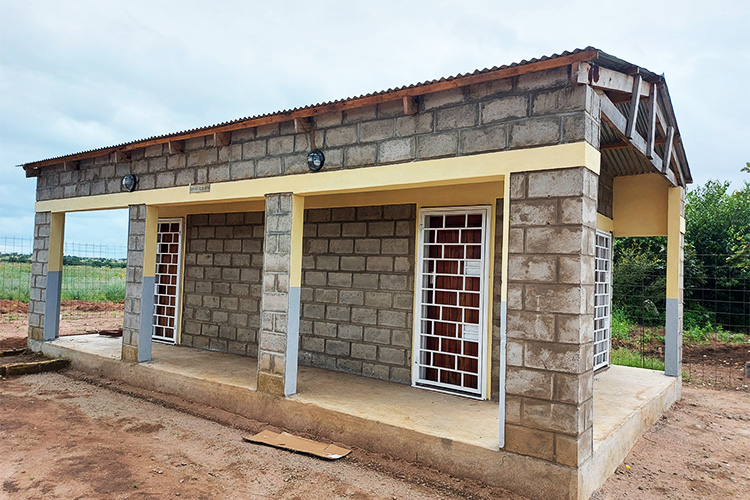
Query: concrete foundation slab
{"points": [[453, 434]]}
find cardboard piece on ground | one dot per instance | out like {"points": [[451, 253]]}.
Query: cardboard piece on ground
{"points": [[295, 443]]}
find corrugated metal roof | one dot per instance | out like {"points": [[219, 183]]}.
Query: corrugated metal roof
{"points": [[624, 161], [318, 105]]}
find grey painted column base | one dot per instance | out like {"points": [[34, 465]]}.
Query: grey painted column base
{"points": [[292, 342], [672, 339], [52, 306], [147, 317], [501, 373]]}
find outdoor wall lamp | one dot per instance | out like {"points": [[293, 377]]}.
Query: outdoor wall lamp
{"points": [[315, 160], [129, 182]]}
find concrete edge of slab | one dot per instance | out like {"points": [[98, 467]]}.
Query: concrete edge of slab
{"points": [[531, 477], [613, 450]]}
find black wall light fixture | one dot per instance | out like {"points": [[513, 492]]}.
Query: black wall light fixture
{"points": [[315, 160], [129, 182]]}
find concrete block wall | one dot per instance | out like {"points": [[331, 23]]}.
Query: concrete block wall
{"points": [[530, 110], [358, 290], [133, 282], [38, 284], [222, 283], [549, 401]]}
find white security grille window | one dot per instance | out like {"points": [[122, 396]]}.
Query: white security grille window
{"points": [[451, 333], [602, 299], [167, 280]]}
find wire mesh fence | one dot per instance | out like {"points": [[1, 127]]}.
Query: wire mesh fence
{"points": [[91, 271], [716, 313]]}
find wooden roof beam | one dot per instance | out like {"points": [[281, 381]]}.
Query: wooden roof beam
{"points": [[586, 73], [176, 147], [71, 165], [411, 105], [222, 138]]}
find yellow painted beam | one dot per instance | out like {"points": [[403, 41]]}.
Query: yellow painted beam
{"points": [[295, 256], [149, 245], [428, 173], [675, 238], [56, 241]]}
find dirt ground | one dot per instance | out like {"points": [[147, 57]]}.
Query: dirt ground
{"points": [[67, 435], [76, 318]]}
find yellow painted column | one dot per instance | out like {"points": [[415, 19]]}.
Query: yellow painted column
{"points": [[675, 256], [54, 276], [278, 343]]}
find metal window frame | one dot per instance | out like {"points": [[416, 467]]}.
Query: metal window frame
{"points": [[178, 284], [608, 318], [484, 322]]}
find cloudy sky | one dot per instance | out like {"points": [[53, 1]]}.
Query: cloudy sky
{"points": [[78, 75]]}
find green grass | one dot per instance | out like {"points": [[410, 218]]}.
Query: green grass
{"points": [[95, 284], [627, 357]]}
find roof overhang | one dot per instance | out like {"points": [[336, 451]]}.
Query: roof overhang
{"points": [[654, 137]]}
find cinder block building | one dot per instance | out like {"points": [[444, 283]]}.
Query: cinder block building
{"points": [[423, 271]]}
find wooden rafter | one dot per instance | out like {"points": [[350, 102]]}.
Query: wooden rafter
{"points": [[634, 103], [303, 125], [69, 166], [222, 138], [619, 124], [411, 106], [176, 147], [651, 137], [122, 156]]}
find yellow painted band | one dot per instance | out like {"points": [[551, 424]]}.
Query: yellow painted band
{"points": [[427, 173], [149, 245], [56, 242], [604, 223]]}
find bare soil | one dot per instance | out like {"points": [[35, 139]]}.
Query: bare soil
{"points": [[76, 318], [68, 435], [64, 437]]}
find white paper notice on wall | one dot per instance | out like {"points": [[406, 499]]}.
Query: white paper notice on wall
{"points": [[471, 332], [473, 268]]}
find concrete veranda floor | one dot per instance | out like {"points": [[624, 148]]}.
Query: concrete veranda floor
{"points": [[380, 416]]}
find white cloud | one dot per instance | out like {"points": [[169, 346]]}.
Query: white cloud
{"points": [[86, 74]]}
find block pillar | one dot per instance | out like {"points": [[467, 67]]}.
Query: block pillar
{"points": [[46, 276], [139, 287], [278, 343], [550, 328], [675, 257]]}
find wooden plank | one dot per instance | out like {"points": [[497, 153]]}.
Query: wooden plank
{"points": [[222, 138], [411, 106], [668, 149], [176, 147], [651, 133], [608, 79], [333, 107], [633, 117], [624, 144], [612, 114]]}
